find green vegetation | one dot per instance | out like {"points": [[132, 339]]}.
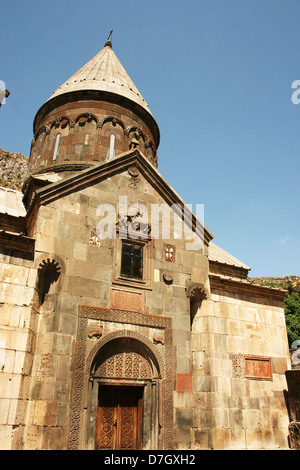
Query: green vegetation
{"points": [[292, 315], [291, 301]]}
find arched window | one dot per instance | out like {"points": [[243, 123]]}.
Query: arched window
{"points": [[56, 147], [111, 150]]}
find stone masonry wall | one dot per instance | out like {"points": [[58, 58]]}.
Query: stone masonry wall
{"points": [[89, 275], [214, 404], [232, 411], [17, 326]]}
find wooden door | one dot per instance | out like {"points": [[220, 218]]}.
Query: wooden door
{"points": [[119, 418]]}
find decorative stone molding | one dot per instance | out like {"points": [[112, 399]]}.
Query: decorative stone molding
{"points": [[133, 171], [123, 364], [114, 120], [96, 333], [168, 277], [143, 343], [60, 122], [169, 253], [195, 291], [238, 366], [50, 265], [138, 133], [158, 340], [83, 118], [45, 258], [84, 360]]}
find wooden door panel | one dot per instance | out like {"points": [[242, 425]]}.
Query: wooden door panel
{"points": [[106, 431], [119, 419], [127, 420]]}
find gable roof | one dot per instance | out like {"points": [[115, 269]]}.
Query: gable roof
{"points": [[107, 169], [215, 253]]}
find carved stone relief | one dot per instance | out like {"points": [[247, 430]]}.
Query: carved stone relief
{"points": [[94, 238], [237, 366], [122, 363]]}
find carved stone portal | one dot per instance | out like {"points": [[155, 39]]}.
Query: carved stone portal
{"points": [[122, 362]]}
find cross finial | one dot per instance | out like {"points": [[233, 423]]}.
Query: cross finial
{"points": [[108, 42]]}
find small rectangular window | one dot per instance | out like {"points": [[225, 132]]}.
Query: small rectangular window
{"points": [[111, 150], [132, 260], [56, 147]]}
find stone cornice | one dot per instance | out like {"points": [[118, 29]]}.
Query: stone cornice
{"points": [[11, 223], [217, 267], [16, 242], [243, 287]]}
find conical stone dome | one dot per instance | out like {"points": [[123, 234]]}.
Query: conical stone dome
{"points": [[104, 72]]}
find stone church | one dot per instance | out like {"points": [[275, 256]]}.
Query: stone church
{"points": [[119, 330]]}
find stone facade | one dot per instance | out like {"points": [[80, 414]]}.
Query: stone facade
{"points": [[204, 350]]}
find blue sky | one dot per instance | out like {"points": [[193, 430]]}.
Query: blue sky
{"points": [[217, 76]]}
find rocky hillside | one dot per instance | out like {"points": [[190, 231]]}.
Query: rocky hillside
{"points": [[13, 169], [286, 282]]}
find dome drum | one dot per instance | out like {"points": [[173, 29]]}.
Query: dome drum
{"points": [[85, 128]]}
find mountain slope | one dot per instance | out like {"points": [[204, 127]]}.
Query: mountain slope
{"points": [[13, 169], [285, 282]]}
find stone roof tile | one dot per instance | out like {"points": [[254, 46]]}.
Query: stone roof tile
{"points": [[104, 73]]}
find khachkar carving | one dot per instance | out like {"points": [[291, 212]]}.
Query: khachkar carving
{"points": [[128, 364]]}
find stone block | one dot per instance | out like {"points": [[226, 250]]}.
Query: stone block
{"points": [[200, 439], [16, 275], [6, 433], [83, 287], [4, 410], [80, 251], [279, 365], [9, 385], [18, 367], [40, 408], [17, 412], [15, 294], [33, 437], [51, 414]]}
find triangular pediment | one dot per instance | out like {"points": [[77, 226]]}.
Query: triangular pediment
{"points": [[130, 160]]}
